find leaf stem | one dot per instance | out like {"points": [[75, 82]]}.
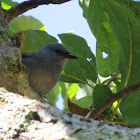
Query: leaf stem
{"points": [[128, 74], [130, 60], [67, 75], [115, 110], [66, 95]]}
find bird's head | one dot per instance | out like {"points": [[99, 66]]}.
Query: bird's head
{"points": [[59, 50]]}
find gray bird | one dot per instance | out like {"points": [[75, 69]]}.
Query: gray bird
{"points": [[45, 66]]}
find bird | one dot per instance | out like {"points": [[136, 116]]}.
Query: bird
{"points": [[45, 66]]}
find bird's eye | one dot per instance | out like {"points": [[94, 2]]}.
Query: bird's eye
{"points": [[59, 52]]}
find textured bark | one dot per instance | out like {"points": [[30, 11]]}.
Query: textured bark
{"points": [[13, 75], [23, 118]]}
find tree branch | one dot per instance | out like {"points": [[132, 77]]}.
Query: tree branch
{"points": [[27, 5], [27, 119], [97, 111]]}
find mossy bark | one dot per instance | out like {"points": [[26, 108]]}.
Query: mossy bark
{"points": [[13, 75]]}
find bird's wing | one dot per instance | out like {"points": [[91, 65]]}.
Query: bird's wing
{"points": [[27, 54]]}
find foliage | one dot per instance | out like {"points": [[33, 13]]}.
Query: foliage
{"points": [[116, 26]]}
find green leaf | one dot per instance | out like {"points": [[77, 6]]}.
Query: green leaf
{"points": [[80, 94], [126, 26], [100, 94], [68, 92], [84, 67], [81, 91], [62, 87], [121, 27], [118, 86], [92, 12], [35, 39], [78, 46], [72, 90], [135, 67], [79, 71], [130, 104], [84, 102], [52, 96], [107, 43], [130, 109], [23, 23], [7, 4]]}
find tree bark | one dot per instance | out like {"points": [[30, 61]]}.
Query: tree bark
{"points": [[13, 75], [23, 118]]}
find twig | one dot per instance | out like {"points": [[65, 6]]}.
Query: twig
{"points": [[97, 111], [114, 77], [27, 5]]}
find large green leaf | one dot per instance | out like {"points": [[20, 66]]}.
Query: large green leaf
{"points": [[79, 71], [126, 26], [120, 24], [35, 39], [107, 43], [130, 109], [23, 23], [92, 12], [100, 94], [135, 67], [84, 67], [130, 105], [77, 45]]}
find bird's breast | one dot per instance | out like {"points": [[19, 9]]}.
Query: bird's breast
{"points": [[45, 78]]}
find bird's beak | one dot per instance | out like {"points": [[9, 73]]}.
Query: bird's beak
{"points": [[71, 56]]}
